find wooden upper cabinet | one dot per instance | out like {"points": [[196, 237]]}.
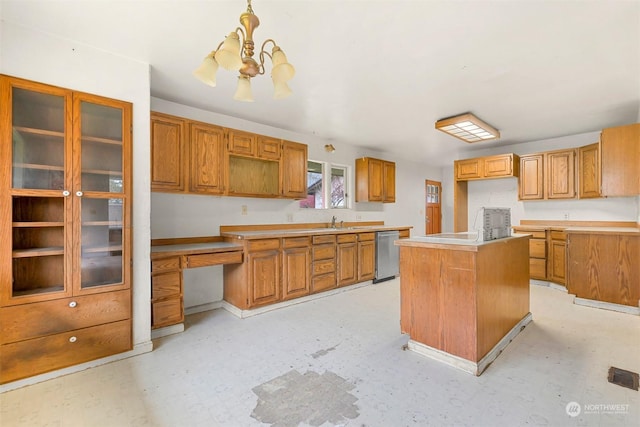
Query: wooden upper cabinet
{"points": [[531, 182], [207, 159], [168, 153], [560, 174], [268, 148], [503, 165], [499, 166], [468, 169], [549, 175], [389, 182], [293, 170], [375, 180], [589, 171], [620, 160], [243, 143]]}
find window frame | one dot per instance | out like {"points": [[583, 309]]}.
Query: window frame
{"points": [[327, 169]]}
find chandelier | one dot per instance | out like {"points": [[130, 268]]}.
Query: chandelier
{"points": [[231, 55]]}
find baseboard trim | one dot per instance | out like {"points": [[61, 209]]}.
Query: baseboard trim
{"points": [[243, 314], [141, 348], [607, 306], [167, 330], [202, 307], [475, 368]]}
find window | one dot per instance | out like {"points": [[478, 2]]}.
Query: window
{"points": [[326, 186]]}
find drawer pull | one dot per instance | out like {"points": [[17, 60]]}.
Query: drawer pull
{"points": [[73, 304], [73, 339]]}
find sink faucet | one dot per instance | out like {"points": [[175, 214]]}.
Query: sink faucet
{"points": [[333, 221]]}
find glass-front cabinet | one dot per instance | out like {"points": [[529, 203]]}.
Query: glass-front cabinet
{"points": [[65, 217]]}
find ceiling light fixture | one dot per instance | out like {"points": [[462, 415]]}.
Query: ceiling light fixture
{"points": [[329, 148], [468, 128], [231, 56]]}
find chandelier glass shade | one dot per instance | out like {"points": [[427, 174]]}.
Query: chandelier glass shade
{"points": [[237, 55]]}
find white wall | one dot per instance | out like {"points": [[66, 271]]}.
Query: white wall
{"points": [[33, 55], [188, 215], [504, 192]]}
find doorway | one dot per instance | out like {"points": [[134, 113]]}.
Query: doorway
{"points": [[433, 217]]}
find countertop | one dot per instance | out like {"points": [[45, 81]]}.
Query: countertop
{"points": [[265, 234], [603, 230], [195, 248]]}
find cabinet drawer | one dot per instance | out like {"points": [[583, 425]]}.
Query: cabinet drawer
{"points": [[326, 238], [165, 264], [537, 268], [205, 260], [347, 238], [167, 312], [55, 316], [323, 267], [365, 237], [537, 248], [36, 356], [324, 282], [558, 235], [319, 252], [166, 285], [296, 242], [264, 245]]}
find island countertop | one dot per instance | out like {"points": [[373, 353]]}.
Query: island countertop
{"points": [[464, 241]]}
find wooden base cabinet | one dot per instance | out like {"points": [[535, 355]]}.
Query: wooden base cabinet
{"points": [[604, 267], [366, 256], [166, 292], [65, 226], [347, 259], [296, 262]]}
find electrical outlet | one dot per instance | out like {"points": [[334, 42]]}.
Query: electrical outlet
{"points": [[243, 210], [358, 218], [289, 217], [565, 216]]}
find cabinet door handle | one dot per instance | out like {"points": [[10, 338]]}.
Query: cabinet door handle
{"points": [[73, 339], [79, 193], [65, 193], [73, 304]]}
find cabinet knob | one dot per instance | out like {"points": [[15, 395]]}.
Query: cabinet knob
{"points": [[65, 193], [73, 304], [79, 193], [73, 339]]}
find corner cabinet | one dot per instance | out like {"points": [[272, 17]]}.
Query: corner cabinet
{"points": [[375, 180], [65, 218]]}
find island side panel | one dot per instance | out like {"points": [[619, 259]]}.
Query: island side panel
{"points": [[503, 289], [437, 292]]}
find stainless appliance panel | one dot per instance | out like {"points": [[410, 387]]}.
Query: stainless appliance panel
{"points": [[387, 256]]}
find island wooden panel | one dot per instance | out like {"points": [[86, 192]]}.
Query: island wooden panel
{"points": [[463, 300]]}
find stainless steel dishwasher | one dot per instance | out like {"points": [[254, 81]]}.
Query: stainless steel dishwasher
{"points": [[387, 256]]}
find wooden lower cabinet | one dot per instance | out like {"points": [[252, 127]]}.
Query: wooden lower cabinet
{"points": [[537, 251], [166, 292], [347, 259], [323, 257], [557, 257], [604, 267], [366, 256], [296, 262], [264, 277]]}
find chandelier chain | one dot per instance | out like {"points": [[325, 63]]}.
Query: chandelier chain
{"points": [[249, 8]]}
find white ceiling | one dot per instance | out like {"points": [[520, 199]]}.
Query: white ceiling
{"points": [[378, 74]]}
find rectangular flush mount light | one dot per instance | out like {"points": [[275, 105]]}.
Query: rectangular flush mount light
{"points": [[468, 128]]}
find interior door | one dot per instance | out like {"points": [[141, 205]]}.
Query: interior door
{"points": [[433, 218]]}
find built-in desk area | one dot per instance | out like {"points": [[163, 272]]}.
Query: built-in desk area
{"points": [[169, 257]]}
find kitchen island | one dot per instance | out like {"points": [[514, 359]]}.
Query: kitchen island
{"points": [[463, 300]]}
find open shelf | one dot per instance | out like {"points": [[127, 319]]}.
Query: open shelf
{"points": [[101, 172], [43, 132], [38, 166], [34, 224], [34, 252], [101, 140]]}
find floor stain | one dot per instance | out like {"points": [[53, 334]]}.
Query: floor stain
{"points": [[321, 353], [310, 398]]}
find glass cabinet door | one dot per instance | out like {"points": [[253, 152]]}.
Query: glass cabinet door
{"points": [[101, 194], [38, 200]]}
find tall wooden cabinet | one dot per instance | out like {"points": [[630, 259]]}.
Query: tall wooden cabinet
{"points": [[620, 157], [65, 228]]}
